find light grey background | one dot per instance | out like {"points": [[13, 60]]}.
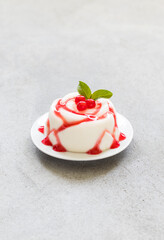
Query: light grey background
{"points": [[46, 47]]}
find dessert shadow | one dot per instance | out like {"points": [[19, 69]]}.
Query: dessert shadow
{"points": [[80, 170]]}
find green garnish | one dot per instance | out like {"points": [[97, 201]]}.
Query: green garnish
{"points": [[85, 91]]}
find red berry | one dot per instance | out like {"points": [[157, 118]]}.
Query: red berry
{"points": [[90, 103], [81, 106], [79, 98]]}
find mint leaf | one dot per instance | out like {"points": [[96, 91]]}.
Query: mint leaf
{"points": [[101, 93], [84, 90]]}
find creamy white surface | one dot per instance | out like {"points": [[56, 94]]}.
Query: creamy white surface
{"points": [[82, 137]]}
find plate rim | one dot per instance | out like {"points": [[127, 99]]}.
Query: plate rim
{"points": [[71, 156]]}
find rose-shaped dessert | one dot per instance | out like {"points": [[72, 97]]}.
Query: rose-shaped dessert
{"points": [[77, 123]]}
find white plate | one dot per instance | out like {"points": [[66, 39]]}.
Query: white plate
{"points": [[123, 124]]}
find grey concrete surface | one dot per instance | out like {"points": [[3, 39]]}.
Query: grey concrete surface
{"points": [[46, 47]]}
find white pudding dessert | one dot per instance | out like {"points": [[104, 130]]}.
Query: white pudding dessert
{"points": [[77, 124]]}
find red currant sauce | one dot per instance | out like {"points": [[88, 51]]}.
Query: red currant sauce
{"points": [[115, 144], [122, 137], [94, 150], [41, 129], [46, 141], [59, 148]]}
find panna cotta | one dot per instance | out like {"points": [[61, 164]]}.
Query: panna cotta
{"points": [[77, 124]]}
